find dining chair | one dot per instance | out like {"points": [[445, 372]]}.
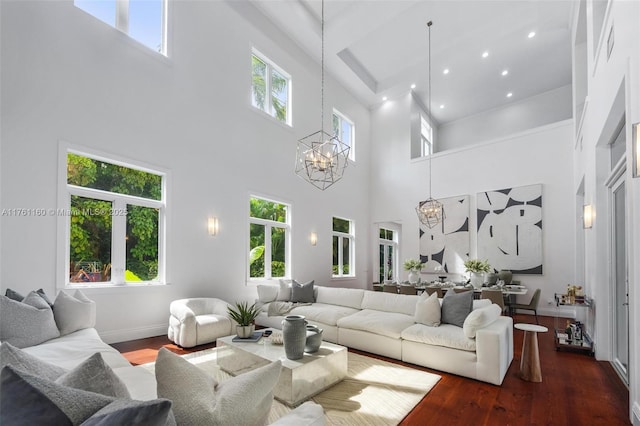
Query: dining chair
{"points": [[408, 289], [390, 288], [531, 306], [461, 290], [431, 290], [495, 296]]}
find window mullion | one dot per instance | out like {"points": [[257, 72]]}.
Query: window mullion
{"points": [[118, 243], [267, 95], [122, 15], [267, 251], [340, 250]]}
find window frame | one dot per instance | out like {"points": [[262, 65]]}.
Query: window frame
{"points": [[119, 222], [386, 243], [352, 249], [426, 137], [270, 67], [352, 141], [269, 225], [121, 23]]}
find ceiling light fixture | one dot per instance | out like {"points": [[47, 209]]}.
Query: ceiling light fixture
{"points": [[485, 54], [430, 212], [321, 158], [442, 106], [505, 72], [413, 86], [446, 71], [384, 98], [509, 95], [532, 34]]}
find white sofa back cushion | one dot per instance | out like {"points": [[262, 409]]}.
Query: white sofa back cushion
{"points": [[349, 297], [267, 293], [389, 302]]}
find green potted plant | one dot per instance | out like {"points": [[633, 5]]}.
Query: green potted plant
{"points": [[244, 316], [413, 266], [477, 268]]}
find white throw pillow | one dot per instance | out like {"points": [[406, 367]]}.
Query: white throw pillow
{"points": [[308, 414], [480, 318], [428, 310], [199, 400], [284, 293], [267, 293], [73, 313]]}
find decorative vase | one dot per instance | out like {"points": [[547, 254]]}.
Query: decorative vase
{"points": [[505, 275], [314, 339], [414, 277], [294, 336], [477, 279], [245, 331], [490, 278]]}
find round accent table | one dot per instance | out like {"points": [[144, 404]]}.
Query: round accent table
{"points": [[530, 358]]}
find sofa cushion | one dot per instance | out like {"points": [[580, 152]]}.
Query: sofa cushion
{"points": [[480, 318], [21, 360], [302, 293], [74, 313], [349, 297], [267, 293], [450, 336], [389, 302], [323, 313], [481, 303], [94, 375], [198, 400], [388, 324], [456, 307], [284, 292], [428, 310], [26, 323]]}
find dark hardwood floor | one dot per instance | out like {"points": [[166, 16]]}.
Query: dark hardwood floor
{"points": [[575, 390]]}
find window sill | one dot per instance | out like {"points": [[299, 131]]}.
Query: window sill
{"points": [[271, 119], [343, 278], [97, 287]]}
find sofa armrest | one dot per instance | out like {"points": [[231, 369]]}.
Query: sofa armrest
{"points": [[181, 310], [307, 414], [494, 348]]}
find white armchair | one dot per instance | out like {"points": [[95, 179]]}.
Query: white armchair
{"points": [[199, 320]]}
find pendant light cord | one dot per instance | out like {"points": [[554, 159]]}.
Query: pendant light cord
{"points": [[322, 70], [429, 110]]}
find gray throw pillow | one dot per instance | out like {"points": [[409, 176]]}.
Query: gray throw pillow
{"points": [[21, 360], [456, 307], [302, 292], [94, 375], [73, 313], [26, 323], [44, 296], [198, 400], [156, 412], [14, 295]]}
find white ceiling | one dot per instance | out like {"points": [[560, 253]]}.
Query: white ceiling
{"points": [[379, 48]]}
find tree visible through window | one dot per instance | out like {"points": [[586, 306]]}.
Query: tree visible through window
{"points": [[268, 238], [388, 255], [343, 247], [270, 88], [115, 214]]}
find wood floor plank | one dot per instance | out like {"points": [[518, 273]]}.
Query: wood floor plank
{"points": [[575, 390]]}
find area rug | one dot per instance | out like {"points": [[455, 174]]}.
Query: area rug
{"points": [[375, 392]]}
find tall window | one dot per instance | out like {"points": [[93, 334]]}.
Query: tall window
{"points": [[343, 248], [344, 129], [116, 221], [269, 238], [142, 20], [426, 138], [270, 88], [388, 259]]}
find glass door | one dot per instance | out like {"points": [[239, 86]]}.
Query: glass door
{"points": [[620, 281]]}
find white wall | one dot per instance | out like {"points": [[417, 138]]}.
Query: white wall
{"points": [[546, 108], [68, 77]]}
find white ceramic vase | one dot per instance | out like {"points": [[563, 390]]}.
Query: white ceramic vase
{"points": [[477, 279], [414, 277], [245, 331]]}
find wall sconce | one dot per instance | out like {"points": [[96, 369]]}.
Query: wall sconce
{"points": [[212, 226], [587, 216], [635, 146], [313, 238]]}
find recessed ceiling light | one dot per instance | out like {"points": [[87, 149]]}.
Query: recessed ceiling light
{"points": [[532, 34], [446, 71], [413, 86], [485, 54], [509, 95], [505, 72], [442, 106], [384, 98]]}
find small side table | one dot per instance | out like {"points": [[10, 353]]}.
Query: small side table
{"points": [[530, 358]]}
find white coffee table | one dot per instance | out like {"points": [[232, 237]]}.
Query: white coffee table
{"points": [[299, 380]]}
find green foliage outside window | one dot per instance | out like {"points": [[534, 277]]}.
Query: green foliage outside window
{"points": [[268, 210]]}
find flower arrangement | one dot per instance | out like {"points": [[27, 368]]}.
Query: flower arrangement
{"points": [[413, 265], [475, 265]]}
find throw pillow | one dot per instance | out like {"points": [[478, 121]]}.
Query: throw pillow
{"points": [[21, 360], [428, 310], [94, 375], [302, 292], [44, 296], [456, 307], [74, 313], [26, 323], [480, 318], [14, 295], [284, 294], [28, 399], [198, 400], [267, 293]]}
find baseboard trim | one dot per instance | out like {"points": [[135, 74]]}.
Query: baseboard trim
{"points": [[636, 414], [124, 335]]}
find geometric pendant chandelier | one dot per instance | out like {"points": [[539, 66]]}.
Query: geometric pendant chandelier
{"points": [[320, 157], [430, 212]]}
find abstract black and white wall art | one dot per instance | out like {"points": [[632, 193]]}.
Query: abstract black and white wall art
{"points": [[510, 229], [447, 245]]}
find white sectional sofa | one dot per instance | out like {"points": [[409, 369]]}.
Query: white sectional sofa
{"points": [[385, 324]]}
